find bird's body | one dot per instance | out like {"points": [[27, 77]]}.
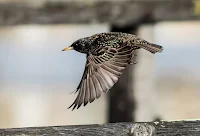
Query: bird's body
{"points": [[108, 54], [113, 40]]}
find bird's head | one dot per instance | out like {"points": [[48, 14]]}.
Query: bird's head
{"points": [[81, 45]]}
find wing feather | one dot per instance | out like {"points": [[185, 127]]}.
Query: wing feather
{"points": [[98, 88], [92, 91], [87, 91], [101, 73]]}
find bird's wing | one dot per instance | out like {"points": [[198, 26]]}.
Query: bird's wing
{"points": [[101, 72]]}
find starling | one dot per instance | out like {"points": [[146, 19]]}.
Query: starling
{"points": [[107, 56]]}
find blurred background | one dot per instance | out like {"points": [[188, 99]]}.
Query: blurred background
{"points": [[36, 77]]}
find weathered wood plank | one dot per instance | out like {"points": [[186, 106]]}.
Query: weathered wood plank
{"points": [[162, 128], [115, 12]]}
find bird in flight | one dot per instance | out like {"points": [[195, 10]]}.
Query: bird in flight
{"points": [[107, 55]]}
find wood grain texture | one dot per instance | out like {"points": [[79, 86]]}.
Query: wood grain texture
{"points": [[121, 12], [162, 128]]}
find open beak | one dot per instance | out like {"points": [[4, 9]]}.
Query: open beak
{"points": [[68, 48]]}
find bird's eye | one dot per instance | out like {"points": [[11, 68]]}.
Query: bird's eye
{"points": [[76, 44]]}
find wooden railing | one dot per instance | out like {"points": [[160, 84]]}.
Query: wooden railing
{"points": [[94, 11], [161, 128]]}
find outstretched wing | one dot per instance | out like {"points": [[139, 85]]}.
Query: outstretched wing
{"points": [[101, 72]]}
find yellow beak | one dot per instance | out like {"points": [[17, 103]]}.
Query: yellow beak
{"points": [[68, 48]]}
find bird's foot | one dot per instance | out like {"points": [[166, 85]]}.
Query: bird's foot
{"points": [[132, 60]]}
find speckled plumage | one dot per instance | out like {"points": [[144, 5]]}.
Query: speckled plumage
{"points": [[108, 54]]}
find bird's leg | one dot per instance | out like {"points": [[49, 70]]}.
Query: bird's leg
{"points": [[132, 60]]}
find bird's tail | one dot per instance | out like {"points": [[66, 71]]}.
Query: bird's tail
{"points": [[151, 47]]}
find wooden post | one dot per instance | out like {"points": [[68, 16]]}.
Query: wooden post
{"points": [[162, 128], [121, 102], [122, 98]]}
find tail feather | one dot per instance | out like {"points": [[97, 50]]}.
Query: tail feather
{"points": [[153, 48]]}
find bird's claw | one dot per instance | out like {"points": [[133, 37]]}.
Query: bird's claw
{"points": [[131, 62]]}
